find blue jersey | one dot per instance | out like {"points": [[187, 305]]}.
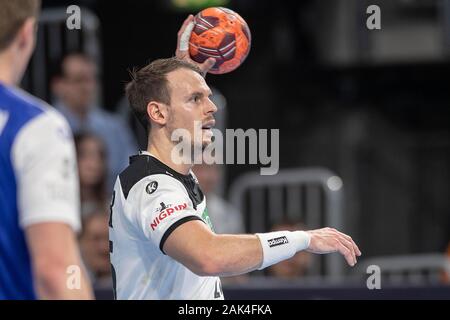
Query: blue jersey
{"points": [[36, 159]]}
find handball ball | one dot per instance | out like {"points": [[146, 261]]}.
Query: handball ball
{"points": [[222, 34]]}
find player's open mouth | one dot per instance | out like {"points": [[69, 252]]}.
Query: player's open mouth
{"points": [[208, 125]]}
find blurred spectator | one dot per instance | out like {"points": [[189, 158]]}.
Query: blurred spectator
{"points": [[75, 88], [448, 257], [448, 250], [298, 265], [92, 170], [123, 110], [94, 244], [224, 217], [445, 276]]}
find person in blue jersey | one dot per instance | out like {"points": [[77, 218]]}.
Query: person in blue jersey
{"points": [[39, 196]]}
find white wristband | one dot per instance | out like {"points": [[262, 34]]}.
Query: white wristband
{"points": [[185, 37], [281, 245]]}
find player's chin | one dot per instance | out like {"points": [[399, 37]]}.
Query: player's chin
{"points": [[205, 143], [207, 138]]}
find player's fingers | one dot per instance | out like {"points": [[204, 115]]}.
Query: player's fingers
{"points": [[183, 55], [357, 251], [346, 253], [184, 36], [182, 29], [208, 64], [350, 247], [185, 23], [355, 247]]}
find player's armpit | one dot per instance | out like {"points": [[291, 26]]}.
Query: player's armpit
{"points": [[53, 250]]}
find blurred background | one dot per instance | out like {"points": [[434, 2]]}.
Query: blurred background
{"points": [[364, 119]]}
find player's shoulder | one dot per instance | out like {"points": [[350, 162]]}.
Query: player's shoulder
{"points": [[148, 173], [20, 103], [24, 108]]}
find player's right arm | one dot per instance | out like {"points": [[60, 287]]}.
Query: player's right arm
{"points": [[166, 217], [48, 204], [208, 254]]}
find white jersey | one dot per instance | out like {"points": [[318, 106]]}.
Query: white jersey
{"points": [[150, 201]]}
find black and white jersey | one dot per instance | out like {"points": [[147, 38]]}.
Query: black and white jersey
{"points": [[150, 201]]}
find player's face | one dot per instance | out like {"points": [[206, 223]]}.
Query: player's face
{"points": [[191, 105]]}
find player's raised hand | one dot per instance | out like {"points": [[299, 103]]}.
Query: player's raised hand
{"points": [[182, 51], [327, 240]]}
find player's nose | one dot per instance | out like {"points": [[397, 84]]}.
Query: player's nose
{"points": [[211, 107]]}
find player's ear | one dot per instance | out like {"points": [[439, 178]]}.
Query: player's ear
{"points": [[157, 112], [27, 34]]}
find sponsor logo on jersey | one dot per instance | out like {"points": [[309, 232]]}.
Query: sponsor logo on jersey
{"points": [[162, 206], [166, 213], [151, 187], [207, 219], [277, 241]]}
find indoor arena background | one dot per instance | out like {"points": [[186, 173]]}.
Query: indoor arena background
{"points": [[364, 120]]}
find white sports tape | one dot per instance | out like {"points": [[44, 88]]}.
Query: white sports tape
{"points": [[281, 245], [185, 36]]}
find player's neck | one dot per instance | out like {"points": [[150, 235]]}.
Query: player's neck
{"points": [[11, 66], [6, 71], [163, 154]]}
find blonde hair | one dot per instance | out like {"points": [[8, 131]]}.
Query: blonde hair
{"points": [[13, 14]]}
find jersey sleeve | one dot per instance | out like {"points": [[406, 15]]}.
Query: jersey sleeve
{"points": [[163, 206], [44, 161]]}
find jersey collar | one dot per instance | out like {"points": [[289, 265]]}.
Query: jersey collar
{"points": [[168, 169]]}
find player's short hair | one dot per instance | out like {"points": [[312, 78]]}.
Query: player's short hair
{"points": [[150, 84], [13, 14]]}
